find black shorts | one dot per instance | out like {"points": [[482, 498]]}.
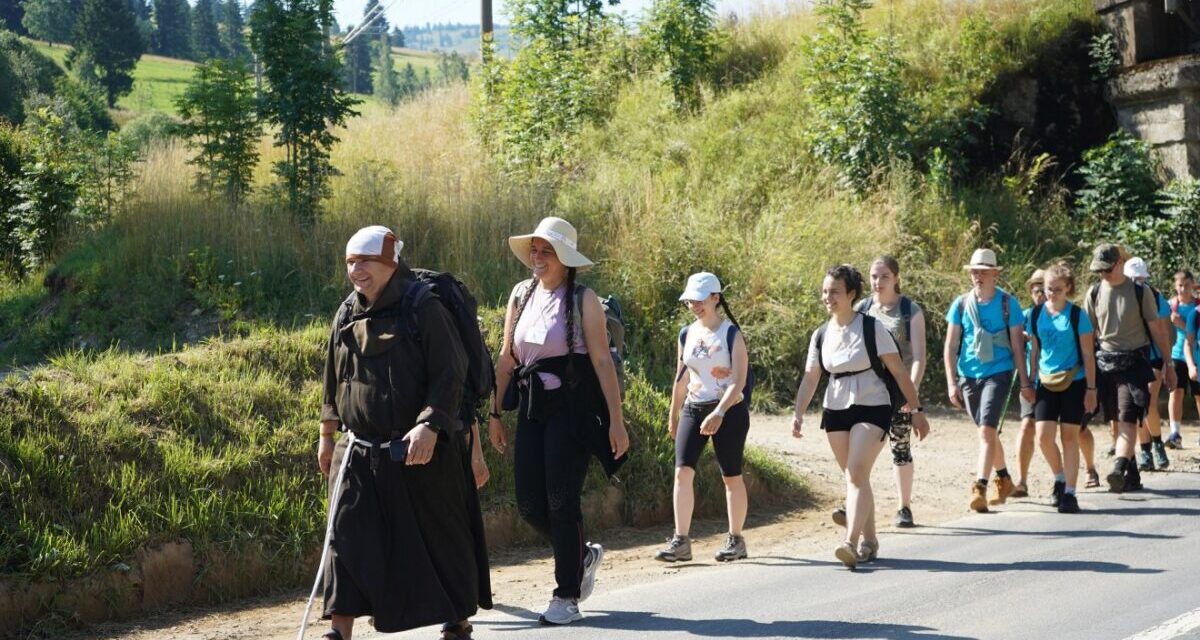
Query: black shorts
{"points": [[1125, 396], [844, 419], [1061, 406], [1183, 381], [729, 442]]}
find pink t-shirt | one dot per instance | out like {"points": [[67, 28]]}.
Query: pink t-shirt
{"points": [[542, 330]]}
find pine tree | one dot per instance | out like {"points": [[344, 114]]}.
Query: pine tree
{"points": [[221, 122], [379, 26], [50, 20], [206, 41], [106, 35], [388, 90], [357, 69], [172, 29], [302, 99], [409, 85], [233, 30], [397, 37]]}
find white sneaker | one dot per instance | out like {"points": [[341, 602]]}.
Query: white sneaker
{"points": [[591, 564], [561, 611]]}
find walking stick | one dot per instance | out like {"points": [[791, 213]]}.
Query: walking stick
{"points": [[1007, 399], [337, 486]]}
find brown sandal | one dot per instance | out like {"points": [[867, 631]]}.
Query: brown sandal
{"points": [[459, 631]]}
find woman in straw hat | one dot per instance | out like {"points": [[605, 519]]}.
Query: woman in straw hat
{"points": [[556, 354], [1036, 285]]}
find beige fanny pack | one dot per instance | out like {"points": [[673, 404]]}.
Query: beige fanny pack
{"points": [[1058, 382]]}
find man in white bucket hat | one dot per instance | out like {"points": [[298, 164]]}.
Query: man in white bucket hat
{"points": [[985, 345]]}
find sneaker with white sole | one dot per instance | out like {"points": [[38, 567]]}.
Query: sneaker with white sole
{"points": [[591, 564], [561, 611]]}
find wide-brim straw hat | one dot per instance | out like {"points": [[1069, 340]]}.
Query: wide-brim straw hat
{"points": [[983, 259], [561, 235], [1038, 277]]}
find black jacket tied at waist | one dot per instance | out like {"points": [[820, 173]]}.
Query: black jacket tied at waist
{"points": [[580, 393]]}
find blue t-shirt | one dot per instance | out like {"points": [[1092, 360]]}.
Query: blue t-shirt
{"points": [[1186, 311], [1057, 339], [992, 317], [1164, 311]]}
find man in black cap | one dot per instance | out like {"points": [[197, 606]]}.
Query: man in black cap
{"points": [[1125, 317]]}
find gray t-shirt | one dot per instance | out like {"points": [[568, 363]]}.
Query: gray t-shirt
{"points": [[844, 351], [894, 321], [1116, 318]]}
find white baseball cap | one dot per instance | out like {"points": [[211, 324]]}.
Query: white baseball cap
{"points": [[700, 286], [375, 243], [1136, 268]]}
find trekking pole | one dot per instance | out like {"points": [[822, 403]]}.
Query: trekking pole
{"points": [[337, 486], [1007, 399]]}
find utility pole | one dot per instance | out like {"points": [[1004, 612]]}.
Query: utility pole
{"points": [[485, 24]]}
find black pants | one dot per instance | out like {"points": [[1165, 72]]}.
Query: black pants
{"points": [[551, 466]]}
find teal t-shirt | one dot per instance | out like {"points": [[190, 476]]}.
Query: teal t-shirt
{"points": [[991, 315], [1057, 339], [1164, 311], [1186, 311]]}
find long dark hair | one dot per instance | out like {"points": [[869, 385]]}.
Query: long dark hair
{"points": [[725, 307], [893, 265], [512, 331], [570, 301]]}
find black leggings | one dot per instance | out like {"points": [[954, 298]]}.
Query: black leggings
{"points": [[729, 442], [551, 466]]}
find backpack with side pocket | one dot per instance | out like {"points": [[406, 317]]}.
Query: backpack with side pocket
{"points": [[893, 387], [1058, 386], [734, 329], [452, 294]]}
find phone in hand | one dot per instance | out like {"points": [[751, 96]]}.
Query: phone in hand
{"points": [[399, 450]]}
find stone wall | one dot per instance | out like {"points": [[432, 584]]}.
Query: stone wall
{"points": [[1160, 103]]}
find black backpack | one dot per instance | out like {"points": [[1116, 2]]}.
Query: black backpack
{"points": [[457, 299], [906, 312], [748, 389], [1074, 317], [893, 387]]}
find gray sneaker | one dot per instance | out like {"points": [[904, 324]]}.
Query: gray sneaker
{"points": [[1160, 456], [678, 549], [735, 549], [591, 564], [561, 611]]}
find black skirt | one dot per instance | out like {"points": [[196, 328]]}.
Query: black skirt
{"points": [[408, 545]]}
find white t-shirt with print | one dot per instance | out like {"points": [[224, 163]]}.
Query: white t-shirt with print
{"points": [[709, 362], [844, 351]]}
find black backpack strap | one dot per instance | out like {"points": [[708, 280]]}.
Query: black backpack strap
{"points": [[415, 295], [1075, 312], [1138, 293], [1004, 310], [906, 313], [1034, 314], [868, 324], [821, 346], [865, 305]]}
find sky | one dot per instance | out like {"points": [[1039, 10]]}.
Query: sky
{"points": [[418, 12]]}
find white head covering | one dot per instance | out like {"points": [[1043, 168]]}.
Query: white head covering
{"points": [[561, 235], [1136, 268], [375, 243], [983, 260], [700, 286]]}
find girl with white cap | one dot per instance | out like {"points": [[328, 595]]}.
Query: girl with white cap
{"points": [[556, 355], [1152, 450], [707, 402]]}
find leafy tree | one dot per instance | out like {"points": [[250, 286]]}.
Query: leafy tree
{"points": [[172, 29], [453, 67], [859, 116], [206, 41], [303, 98], [221, 121], [233, 30], [108, 36], [410, 84], [12, 16], [50, 20], [356, 72], [11, 109], [681, 37], [388, 89]]}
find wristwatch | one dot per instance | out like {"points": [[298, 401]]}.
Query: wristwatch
{"points": [[917, 410]]}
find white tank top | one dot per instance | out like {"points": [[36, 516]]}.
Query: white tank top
{"points": [[709, 361]]}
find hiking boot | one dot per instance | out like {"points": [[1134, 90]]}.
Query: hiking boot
{"points": [[678, 549], [846, 554], [561, 611], [1175, 441], [591, 564], [1057, 493], [735, 549], [867, 550], [1116, 481], [1093, 479], [839, 517], [1069, 504], [1021, 491], [1144, 462], [979, 497], [1004, 489], [904, 518], [1160, 456]]}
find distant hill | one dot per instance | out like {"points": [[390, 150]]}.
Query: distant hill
{"points": [[463, 38]]}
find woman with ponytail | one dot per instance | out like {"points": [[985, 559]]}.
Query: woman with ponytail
{"points": [[712, 369], [565, 388]]}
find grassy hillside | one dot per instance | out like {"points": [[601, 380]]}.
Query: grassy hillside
{"points": [[736, 188]]}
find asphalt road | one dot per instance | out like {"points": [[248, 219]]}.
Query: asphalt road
{"points": [[1128, 566]]}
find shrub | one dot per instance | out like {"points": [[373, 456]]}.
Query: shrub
{"points": [[154, 127], [1119, 185], [681, 38]]}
